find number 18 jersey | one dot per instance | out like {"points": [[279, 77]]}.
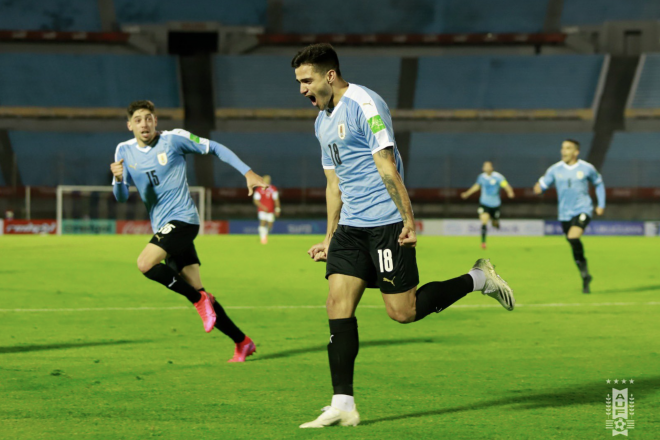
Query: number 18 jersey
{"points": [[358, 127]]}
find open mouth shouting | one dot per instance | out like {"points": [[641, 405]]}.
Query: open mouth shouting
{"points": [[313, 99]]}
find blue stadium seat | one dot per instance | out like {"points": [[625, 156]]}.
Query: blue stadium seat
{"points": [[292, 159], [647, 94], [421, 16], [269, 81], [633, 160], [511, 82], [51, 15], [65, 80], [56, 158], [233, 13], [590, 12], [454, 160]]}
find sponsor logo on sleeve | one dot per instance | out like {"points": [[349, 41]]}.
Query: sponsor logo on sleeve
{"points": [[376, 124], [194, 138]]}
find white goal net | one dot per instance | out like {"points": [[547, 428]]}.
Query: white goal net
{"points": [[94, 210]]}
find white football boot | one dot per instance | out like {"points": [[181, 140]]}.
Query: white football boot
{"points": [[495, 286], [333, 416]]}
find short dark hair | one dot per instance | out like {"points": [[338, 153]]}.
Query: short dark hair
{"points": [[322, 56], [574, 142], [137, 105]]}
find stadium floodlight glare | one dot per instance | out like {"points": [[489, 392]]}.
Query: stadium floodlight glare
{"points": [[102, 204]]}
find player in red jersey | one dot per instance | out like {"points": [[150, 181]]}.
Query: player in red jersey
{"points": [[267, 201]]}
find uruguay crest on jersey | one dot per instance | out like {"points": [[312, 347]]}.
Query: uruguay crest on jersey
{"points": [[162, 159]]}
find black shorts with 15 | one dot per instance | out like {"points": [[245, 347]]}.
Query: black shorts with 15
{"points": [[581, 221], [493, 212], [176, 238], [374, 255]]}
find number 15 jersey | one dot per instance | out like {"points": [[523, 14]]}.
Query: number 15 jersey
{"points": [[356, 129]]}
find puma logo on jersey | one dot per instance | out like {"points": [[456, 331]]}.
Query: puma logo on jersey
{"points": [[390, 281], [133, 166]]}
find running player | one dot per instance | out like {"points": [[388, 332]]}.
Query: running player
{"points": [[490, 182], [571, 176], [156, 165], [371, 238], [267, 201]]}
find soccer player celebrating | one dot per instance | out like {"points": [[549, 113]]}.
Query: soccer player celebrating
{"points": [[371, 238], [267, 201], [490, 182], [157, 167], [571, 176]]}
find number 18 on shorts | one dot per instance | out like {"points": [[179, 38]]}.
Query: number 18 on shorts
{"points": [[374, 255]]}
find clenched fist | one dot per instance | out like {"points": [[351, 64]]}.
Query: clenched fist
{"points": [[117, 169]]}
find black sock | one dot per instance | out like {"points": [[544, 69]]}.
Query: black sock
{"points": [[226, 325], [438, 295], [578, 255], [342, 351], [484, 229], [168, 277]]}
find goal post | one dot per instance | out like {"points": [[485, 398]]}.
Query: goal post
{"points": [[97, 203]]}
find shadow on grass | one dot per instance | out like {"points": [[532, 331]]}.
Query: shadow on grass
{"points": [[631, 289], [42, 347], [363, 344], [593, 393]]}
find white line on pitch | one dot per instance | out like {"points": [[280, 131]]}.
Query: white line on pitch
{"points": [[459, 306]]}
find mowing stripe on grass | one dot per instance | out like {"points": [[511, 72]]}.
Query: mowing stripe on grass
{"points": [[459, 306]]}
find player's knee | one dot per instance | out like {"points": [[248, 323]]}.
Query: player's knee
{"points": [[403, 316], [144, 265], [338, 307]]}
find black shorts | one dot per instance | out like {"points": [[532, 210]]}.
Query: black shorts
{"points": [[493, 212], [176, 238], [581, 221], [374, 255]]}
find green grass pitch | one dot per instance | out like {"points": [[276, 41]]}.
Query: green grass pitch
{"points": [[470, 372]]}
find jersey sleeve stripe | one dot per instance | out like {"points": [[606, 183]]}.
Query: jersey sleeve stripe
{"points": [[382, 147], [328, 167]]}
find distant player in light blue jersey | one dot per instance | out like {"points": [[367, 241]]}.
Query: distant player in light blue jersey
{"points": [[371, 237], [572, 177], [154, 162], [490, 182]]}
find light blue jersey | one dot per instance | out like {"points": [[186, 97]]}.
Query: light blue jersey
{"points": [[159, 173], [572, 184], [358, 127], [490, 188]]}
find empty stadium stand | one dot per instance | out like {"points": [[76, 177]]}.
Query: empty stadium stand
{"points": [[453, 160], [633, 161], [269, 81], [51, 15], [508, 82], [95, 81], [647, 93], [589, 12]]}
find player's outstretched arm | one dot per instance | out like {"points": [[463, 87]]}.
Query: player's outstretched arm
{"points": [[473, 189], [509, 190], [386, 164], [600, 196], [319, 252], [119, 187]]}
